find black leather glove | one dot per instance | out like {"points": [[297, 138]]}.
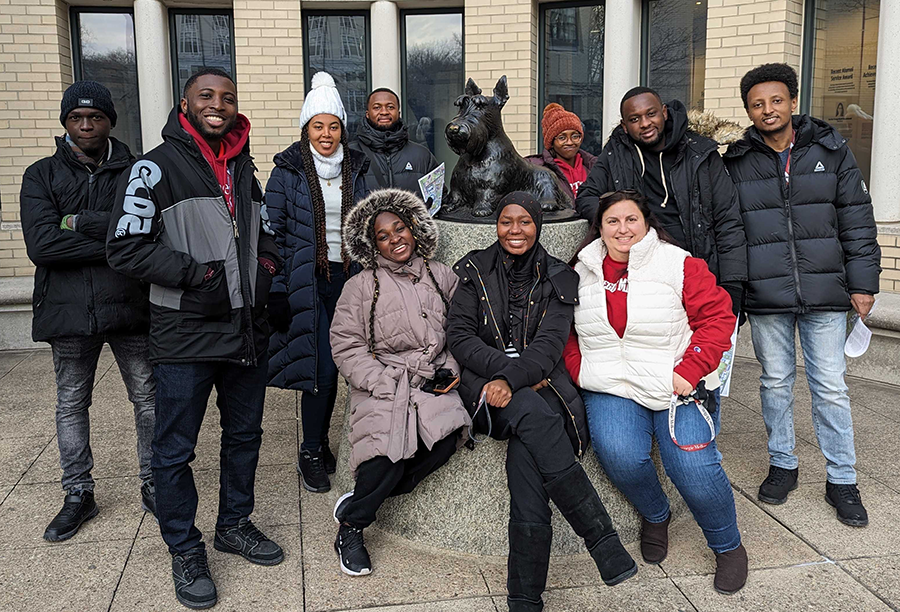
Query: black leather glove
{"points": [[279, 312], [736, 292]]}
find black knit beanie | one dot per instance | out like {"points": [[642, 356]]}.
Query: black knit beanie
{"points": [[87, 94]]}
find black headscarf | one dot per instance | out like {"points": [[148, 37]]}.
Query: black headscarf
{"points": [[521, 271]]}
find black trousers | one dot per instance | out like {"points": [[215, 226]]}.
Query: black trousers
{"points": [[380, 478], [538, 450]]}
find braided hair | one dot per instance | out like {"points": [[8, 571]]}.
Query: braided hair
{"points": [[411, 226], [318, 200]]}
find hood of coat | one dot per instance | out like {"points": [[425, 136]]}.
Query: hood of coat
{"points": [[706, 123], [809, 131], [383, 141], [358, 239]]}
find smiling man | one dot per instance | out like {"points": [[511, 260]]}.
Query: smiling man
{"points": [[813, 255], [190, 221], [653, 152], [396, 162]]}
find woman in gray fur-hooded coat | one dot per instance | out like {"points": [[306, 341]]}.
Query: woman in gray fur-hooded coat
{"points": [[388, 339]]}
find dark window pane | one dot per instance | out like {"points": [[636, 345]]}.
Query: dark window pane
{"points": [[572, 66], [337, 44], [434, 79], [678, 50], [201, 41], [108, 57], [844, 65]]}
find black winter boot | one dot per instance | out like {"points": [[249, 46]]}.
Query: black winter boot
{"points": [[580, 504], [527, 565]]}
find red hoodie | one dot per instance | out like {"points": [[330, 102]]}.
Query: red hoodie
{"points": [[231, 146], [575, 175]]}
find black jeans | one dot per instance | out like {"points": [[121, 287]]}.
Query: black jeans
{"points": [[380, 478], [539, 450], [182, 394], [316, 408]]}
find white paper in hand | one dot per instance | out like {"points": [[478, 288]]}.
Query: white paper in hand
{"points": [[432, 186], [858, 339]]}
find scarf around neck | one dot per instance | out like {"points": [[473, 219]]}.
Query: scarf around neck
{"points": [[328, 167]]}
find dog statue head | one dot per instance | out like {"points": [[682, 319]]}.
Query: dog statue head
{"points": [[478, 120]]}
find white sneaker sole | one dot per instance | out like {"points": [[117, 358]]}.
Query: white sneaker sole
{"points": [[337, 505], [350, 572]]}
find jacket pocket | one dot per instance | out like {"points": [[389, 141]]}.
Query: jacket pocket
{"points": [[211, 298], [263, 286]]}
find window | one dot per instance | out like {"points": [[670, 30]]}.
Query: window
{"points": [[840, 66], [571, 65], [200, 39], [104, 52], [338, 43], [675, 50], [433, 77]]}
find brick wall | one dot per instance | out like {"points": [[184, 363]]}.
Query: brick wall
{"points": [[269, 57], [501, 38], [35, 68]]}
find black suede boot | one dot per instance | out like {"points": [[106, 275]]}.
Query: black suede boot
{"points": [[527, 565], [576, 498]]}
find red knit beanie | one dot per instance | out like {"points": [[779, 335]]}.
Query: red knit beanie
{"points": [[556, 120]]}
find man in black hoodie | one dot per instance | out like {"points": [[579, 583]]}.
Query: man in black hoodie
{"points": [[682, 174], [80, 303], [396, 162]]}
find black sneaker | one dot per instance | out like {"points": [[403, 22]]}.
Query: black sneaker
{"points": [[328, 459], [340, 506], [848, 503], [250, 543], [77, 508], [148, 498], [351, 551], [312, 469], [777, 485], [194, 587]]}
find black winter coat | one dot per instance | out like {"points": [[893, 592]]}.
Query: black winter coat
{"points": [[170, 225], [813, 242], [76, 293], [476, 326], [395, 161], [706, 197], [292, 355]]}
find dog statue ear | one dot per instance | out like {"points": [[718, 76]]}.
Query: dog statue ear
{"points": [[501, 91], [471, 88]]}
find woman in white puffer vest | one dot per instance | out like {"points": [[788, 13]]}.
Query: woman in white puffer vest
{"points": [[650, 325]]}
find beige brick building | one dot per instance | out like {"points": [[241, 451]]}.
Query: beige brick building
{"points": [[606, 45]]}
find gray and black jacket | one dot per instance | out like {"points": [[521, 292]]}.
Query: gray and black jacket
{"points": [[170, 226]]}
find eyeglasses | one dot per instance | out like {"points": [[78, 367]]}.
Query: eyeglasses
{"points": [[562, 138]]}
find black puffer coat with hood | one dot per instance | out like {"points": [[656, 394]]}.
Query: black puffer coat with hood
{"points": [[812, 241], [706, 198], [395, 161]]}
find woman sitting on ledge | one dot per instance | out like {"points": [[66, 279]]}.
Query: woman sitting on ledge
{"points": [[509, 322], [651, 325], [388, 341]]}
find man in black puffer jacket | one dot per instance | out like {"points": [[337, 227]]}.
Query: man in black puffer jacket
{"points": [[682, 174], [813, 255], [395, 161], [79, 301]]}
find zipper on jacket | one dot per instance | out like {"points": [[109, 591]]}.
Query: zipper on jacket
{"points": [[571, 416], [528, 307], [87, 269], [244, 281], [786, 193], [487, 299]]}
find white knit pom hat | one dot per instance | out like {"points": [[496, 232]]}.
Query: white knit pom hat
{"points": [[324, 98]]}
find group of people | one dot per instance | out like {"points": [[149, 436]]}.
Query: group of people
{"points": [[198, 278]]}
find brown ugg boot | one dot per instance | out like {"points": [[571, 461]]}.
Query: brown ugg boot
{"points": [[655, 540], [731, 570]]}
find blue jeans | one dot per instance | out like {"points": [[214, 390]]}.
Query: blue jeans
{"points": [[822, 337], [75, 362], [622, 433], [182, 394]]}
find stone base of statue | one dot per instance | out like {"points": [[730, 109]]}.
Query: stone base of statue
{"points": [[464, 506]]}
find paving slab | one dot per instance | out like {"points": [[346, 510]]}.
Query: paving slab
{"points": [[875, 437], [821, 587], [738, 419], [78, 577], [18, 454], [656, 595], [114, 453], [745, 458], [31, 507], [768, 543], [146, 584], [402, 573], [878, 397], [10, 359], [880, 574], [807, 514], [4, 492], [474, 604]]}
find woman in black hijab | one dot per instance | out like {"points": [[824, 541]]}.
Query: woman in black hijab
{"points": [[509, 321]]}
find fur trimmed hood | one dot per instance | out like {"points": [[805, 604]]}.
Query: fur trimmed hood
{"points": [[360, 244], [705, 123]]}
